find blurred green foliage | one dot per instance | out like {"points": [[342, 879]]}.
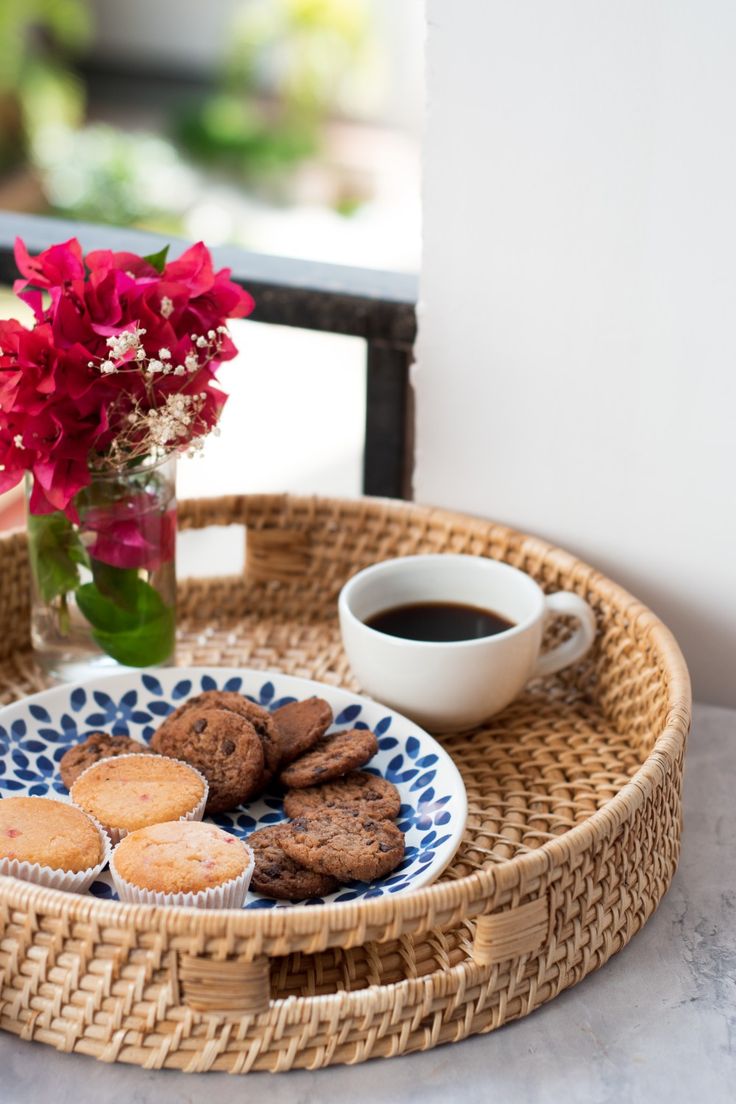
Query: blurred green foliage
{"points": [[290, 65], [37, 87], [103, 174], [287, 68]]}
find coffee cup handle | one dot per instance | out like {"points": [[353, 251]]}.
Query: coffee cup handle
{"points": [[570, 651]]}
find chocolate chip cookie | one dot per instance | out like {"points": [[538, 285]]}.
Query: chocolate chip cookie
{"points": [[276, 875], [345, 844], [221, 744], [333, 757], [301, 725], [97, 746], [359, 790], [259, 717]]}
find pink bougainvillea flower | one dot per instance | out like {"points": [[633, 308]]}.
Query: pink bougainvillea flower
{"points": [[131, 533], [114, 345], [54, 267]]}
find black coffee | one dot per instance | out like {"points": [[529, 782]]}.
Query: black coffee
{"points": [[439, 622]]}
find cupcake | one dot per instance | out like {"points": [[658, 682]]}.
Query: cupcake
{"points": [[51, 843], [182, 863], [134, 791]]}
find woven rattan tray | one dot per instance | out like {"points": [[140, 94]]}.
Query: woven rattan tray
{"points": [[572, 838]]}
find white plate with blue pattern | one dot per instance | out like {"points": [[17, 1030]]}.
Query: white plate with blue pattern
{"points": [[35, 733]]}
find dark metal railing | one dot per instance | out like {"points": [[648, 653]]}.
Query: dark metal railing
{"points": [[376, 306]]}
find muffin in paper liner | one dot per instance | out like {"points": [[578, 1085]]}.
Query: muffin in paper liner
{"points": [[116, 832], [71, 881], [228, 895]]}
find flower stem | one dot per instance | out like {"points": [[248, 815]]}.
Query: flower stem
{"points": [[64, 615]]}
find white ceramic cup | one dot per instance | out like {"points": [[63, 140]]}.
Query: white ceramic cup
{"points": [[455, 685]]}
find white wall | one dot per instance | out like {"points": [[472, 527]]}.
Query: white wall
{"points": [[576, 367]]}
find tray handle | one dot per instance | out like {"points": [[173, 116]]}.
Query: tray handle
{"points": [[223, 985], [512, 932]]}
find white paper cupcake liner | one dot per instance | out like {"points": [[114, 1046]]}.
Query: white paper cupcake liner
{"points": [[115, 832], [229, 895], [72, 881]]}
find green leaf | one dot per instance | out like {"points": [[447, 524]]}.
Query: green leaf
{"points": [[141, 647], [158, 260], [139, 633], [118, 583], [56, 553]]}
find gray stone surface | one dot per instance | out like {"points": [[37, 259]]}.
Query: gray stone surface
{"points": [[657, 1023]]}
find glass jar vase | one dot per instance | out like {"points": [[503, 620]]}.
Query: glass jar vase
{"points": [[103, 587]]}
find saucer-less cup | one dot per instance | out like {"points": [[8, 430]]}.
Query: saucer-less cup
{"points": [[455, 685]]}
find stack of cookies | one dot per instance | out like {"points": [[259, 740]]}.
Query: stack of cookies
{"points": [[341, 828]]}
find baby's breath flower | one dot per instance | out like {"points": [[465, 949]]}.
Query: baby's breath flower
{"points": [[201, 342], [140, 354], [191, 362], [154, 366], [108, 368], [179, 370], [173, 420], [211, 335], [164, 354], [122, 343]]}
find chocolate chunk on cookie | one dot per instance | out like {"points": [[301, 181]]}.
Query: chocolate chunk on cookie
{"points": [[276, 875], [333, 757], [97, 746], [223, 745], [301, 725], [259, 717], [359, 790], [345, 844]]}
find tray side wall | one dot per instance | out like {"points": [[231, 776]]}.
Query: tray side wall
{"points": [[97, 990]]}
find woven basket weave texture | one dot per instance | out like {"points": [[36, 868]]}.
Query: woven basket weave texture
{"points": [[572, 837]]}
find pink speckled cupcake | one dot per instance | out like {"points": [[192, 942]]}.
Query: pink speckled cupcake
{"points": [[182, 863], [134, 791], [51, 843]]}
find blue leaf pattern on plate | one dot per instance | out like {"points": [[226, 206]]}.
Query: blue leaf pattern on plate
{"points": [[348, 714]]}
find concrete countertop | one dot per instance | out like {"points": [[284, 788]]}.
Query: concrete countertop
{"points": [[657, 1023]]}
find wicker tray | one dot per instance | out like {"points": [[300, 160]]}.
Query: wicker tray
{"points": [[572, 839]]}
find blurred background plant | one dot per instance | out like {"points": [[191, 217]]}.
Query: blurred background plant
{"points": [[291, 65], [261, 122], [38, 87]]}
